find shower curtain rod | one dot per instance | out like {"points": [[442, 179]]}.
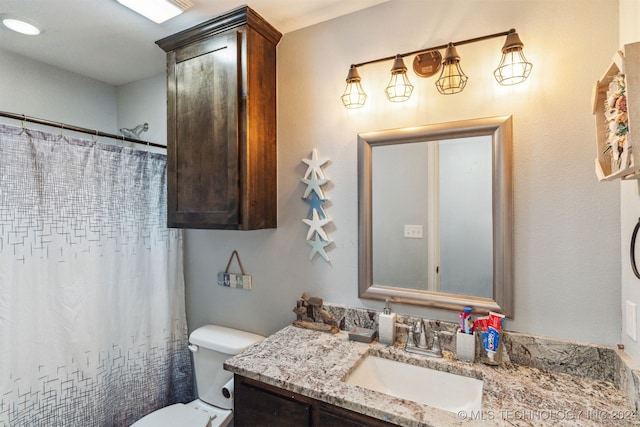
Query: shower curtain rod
{"points": [[63, 126]]}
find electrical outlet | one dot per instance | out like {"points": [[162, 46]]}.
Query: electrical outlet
{"points": [[413, 231], [631, 320]]}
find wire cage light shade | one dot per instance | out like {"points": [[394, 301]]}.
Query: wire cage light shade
{"points": [[514, 67], [353, 96], [399, 88], [452, 79]]}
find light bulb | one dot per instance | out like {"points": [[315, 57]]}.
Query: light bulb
{"points": [[21, 25], [514, 67], [452, 79], [353, 96], [399, 88]]}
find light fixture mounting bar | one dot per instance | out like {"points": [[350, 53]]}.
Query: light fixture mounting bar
{"points": [[444, 46]]}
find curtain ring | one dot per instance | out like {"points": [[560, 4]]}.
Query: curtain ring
{"points": [[633, 249], [24, 121]]}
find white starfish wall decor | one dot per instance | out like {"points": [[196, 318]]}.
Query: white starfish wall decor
{"points": [[314, 196]]}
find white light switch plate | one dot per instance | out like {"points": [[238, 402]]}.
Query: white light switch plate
{"points": [[413, 231], [631, 318]]}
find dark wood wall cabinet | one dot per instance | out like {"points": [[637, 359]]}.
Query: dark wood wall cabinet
{"points": [[221, 131], [259, 404]]}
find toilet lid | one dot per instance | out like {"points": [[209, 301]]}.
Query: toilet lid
{"points": [[177, 415]]}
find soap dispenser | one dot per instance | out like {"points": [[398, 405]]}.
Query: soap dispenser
{"points": [[387, 325]]}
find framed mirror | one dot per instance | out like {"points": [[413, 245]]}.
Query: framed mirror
{"points": [[435, 215]]}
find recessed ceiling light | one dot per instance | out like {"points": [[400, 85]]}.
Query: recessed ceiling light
{"points": [[157, 10], [21, 25]]}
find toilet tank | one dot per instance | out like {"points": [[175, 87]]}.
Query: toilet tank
{"points": [[211, 345]]}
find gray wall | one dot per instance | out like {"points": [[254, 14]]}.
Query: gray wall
{"points": [[567, 225], [38, 90], [144, 101]]}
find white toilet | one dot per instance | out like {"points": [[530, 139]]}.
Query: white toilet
{"points": [[211, 345]]}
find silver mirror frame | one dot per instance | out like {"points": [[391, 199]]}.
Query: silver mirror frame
{"points": [[501, 130]]}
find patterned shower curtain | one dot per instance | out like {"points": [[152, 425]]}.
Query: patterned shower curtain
{"points": [[92, 309]]}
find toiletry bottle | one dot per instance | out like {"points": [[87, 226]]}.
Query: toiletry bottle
{"points": [[466, 321], [387, 325]]}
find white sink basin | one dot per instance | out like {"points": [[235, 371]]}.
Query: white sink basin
{"points": [[442, 390]]}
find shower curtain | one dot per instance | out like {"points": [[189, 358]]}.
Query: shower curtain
{"points": [[92, 310]]}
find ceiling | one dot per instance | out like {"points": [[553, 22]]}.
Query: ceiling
{"points": [[106, 41]]}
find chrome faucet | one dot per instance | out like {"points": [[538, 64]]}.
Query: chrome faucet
{"points": [[417, 333], [417, 341]]}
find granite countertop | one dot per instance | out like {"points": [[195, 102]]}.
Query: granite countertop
{"points": [[314, 363]]}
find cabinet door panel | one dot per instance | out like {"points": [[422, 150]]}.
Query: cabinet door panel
{"points": [[260, 404], [205, 132], [255, 407], [221, 123]]}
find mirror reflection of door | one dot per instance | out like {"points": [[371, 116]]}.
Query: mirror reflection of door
{"points": [[432, 216]]}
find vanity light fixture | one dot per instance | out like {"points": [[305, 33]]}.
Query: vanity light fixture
{"points": [[399, 88], [21, 25], [353, 96], [452, 78], [157, 10], [513, 69]]}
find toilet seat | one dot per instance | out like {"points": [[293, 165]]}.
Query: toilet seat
{"points": [[177, 415]]}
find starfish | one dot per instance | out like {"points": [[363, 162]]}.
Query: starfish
{"points": [[315, 203], [315, 225], [315, 165], [317, 247], [314, 184]]}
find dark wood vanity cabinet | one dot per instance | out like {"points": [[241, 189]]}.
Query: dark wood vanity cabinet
{"points": [[221, 131], [259, 404]]}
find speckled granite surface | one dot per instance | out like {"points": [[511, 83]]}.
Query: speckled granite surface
{"points": [[584, 360], [314, 364]]}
